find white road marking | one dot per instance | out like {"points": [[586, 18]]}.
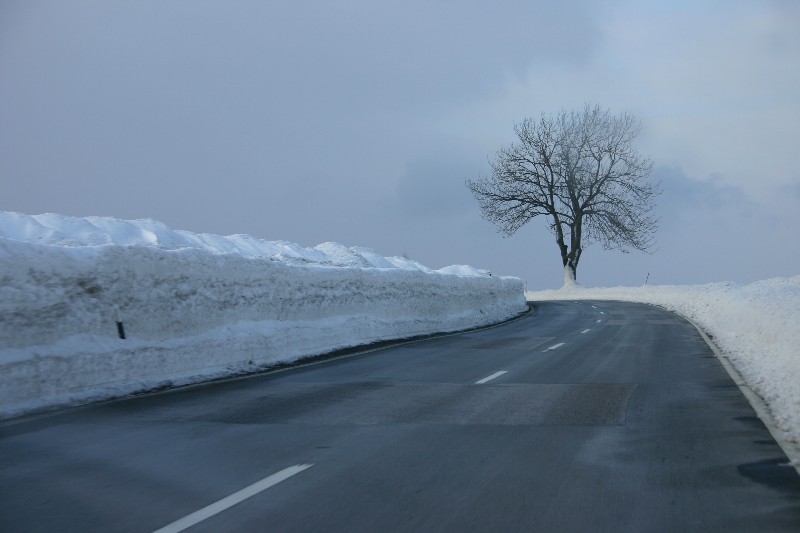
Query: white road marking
{"points": [[490, 378], [555, 346], [598, 321], [586, 331], [217, 507], [602, 313], [594, 307]]}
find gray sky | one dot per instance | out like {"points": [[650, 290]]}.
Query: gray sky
{"points": [[358, 121]]}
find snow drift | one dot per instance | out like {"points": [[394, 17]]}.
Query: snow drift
{"points": [[195, 307], [757, 326]]}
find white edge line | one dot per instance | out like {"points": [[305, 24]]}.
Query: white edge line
{"points": [[229, 501], [555, 346], [489, 378]]}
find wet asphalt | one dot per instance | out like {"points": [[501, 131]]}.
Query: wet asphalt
{"points": [[590, 416]]}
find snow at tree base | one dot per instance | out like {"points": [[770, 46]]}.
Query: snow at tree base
{"points": [[757, 327], [195, 307]]}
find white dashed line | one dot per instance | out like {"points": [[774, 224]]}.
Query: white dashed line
{"points": [[555, 346], [217, 507], [586, 331], [490, 378], [598, 321]]}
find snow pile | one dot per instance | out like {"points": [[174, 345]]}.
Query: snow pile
{"points": [[195, 306], [61, 230], [757, 326]]}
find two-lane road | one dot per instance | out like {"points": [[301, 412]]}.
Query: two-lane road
{"points": [[590, 416]]}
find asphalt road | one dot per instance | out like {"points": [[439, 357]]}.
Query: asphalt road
{"points": [[592, 416]]}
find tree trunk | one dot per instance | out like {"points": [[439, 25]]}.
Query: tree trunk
{"points": [[562, 246], [569, 258]]}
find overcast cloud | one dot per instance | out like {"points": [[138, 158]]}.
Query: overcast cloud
{"points": [[359, 121]]}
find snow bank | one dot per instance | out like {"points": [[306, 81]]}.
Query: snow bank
{"points": [[195, 307], [757, 326]]}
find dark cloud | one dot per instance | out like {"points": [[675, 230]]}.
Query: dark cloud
{"points": [[266, 114], [792, 190], [433, 185], [683, 193]]}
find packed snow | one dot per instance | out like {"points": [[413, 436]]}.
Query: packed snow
{"points": [[199, 306], [756, 326]]}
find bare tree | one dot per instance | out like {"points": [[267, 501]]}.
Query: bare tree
{"points": [[580, 169]]}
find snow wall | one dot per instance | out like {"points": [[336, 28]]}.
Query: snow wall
{"points": [[192, 312]]}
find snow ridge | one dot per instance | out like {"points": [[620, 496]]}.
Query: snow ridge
{"points": [[195, 307], [61, 230]]}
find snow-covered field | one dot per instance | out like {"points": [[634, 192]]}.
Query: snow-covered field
{"points": [[195, 307], [756, 326]]}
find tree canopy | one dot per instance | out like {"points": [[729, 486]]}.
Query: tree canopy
{"points": [[579, 169]]}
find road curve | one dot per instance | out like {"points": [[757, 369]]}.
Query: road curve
{"points": [[583, 416]]}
